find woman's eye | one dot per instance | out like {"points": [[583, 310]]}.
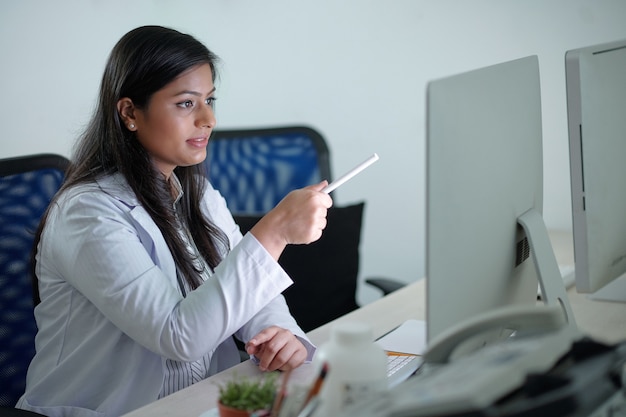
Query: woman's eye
{"points": [[186, 104], [210, 101]]}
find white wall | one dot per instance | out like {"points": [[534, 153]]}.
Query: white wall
{"points": [[356, 70]]}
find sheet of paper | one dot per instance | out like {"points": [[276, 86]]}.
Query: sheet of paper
{"points": [[409, 337]]}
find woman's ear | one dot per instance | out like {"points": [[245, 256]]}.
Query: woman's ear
{"points": [[126, 109]]}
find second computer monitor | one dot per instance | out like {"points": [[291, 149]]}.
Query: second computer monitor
{"points": [[484, 171], [596, 108]]}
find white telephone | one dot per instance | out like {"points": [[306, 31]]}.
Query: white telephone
{"points": [[458, 376], [519, 321]]}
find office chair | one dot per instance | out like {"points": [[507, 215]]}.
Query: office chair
{"points": [[27, 184], [254, 169], [325, 272]]}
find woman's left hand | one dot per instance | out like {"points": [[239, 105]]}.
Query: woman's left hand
{"points": [[277, 348]]}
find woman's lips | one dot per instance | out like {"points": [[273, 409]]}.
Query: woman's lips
{"points": [[199, 142]]}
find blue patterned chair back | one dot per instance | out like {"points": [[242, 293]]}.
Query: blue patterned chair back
{"points": [[26, 186], [255, 168]]}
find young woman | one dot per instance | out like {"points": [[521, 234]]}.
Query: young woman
{"points": [[144, 277]]}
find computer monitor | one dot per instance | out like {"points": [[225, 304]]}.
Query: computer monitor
{"points": [[596, 109], [486, 244]]}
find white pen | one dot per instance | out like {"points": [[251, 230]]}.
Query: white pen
{"points": [[333, 185]]}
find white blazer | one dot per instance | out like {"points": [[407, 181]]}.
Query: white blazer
{"points": [[112, 312]]}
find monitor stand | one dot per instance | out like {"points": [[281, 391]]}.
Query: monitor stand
{"points": [[550, 280]]}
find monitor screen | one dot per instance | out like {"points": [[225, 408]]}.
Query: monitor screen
{"points": [[596, 108], [484, 174]]}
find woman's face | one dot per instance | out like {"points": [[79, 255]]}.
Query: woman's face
{"points": [[175, 126]]}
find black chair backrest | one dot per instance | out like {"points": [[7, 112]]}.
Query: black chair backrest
{"points": [[27, 184], [325, 272]]}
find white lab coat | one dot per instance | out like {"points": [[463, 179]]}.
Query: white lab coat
{"points": [[112, 312]]}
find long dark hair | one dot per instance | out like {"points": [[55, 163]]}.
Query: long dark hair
{"points": [[142, 62]]}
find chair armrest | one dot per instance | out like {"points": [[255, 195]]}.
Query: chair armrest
{"points": [[386, 285]]}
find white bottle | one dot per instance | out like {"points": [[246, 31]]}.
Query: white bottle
{"points": [[357, 367]]}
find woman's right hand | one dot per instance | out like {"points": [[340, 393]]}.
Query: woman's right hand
{"points": [[299, 218]]}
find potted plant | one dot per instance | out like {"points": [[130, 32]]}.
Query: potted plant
{"points": [[242, 396]]}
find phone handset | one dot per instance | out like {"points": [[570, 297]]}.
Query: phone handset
{"points": [[519, 320]]}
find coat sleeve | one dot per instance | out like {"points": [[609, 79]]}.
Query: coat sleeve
{"points": [[276, 311], [115, 257]]}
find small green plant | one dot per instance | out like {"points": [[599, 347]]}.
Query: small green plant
{"points": [[247, 394]]}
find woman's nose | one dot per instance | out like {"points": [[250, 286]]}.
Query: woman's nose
{"points": [[207, 118]]}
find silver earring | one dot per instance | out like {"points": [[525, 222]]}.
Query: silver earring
{"points": [[131, 126]]}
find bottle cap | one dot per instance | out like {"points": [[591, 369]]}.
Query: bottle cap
{"points": [[352, 332]]}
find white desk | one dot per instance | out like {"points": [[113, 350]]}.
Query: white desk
{"points": [[603, 321]]}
